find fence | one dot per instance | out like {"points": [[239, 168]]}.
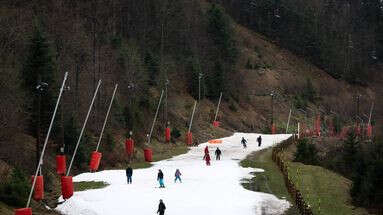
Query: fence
{"points": [[300, 203]]}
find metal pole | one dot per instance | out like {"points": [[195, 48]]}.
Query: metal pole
{"points": [[46, 140], [155, 117], [369, 118], [288, 122], [199, 86], [191, 120], [83, 127], [219, 102], [106, 117]]}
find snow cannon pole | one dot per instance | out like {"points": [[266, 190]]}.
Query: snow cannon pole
{"points": [[155, 117], [219, 103], [83, 127], [46, 139], [192, 116], [106, 117], [288, 122], [369, 118]]}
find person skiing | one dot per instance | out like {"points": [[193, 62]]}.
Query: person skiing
{"points": [[244, 141], [259, 139], [161, 208], [160, 178], [207, 159], [178, 176], [129, 173], [206, 150], [218, 154]]}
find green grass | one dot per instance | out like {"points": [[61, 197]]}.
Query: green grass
{"points": [[88, 185], [270, 181], [325, 191]]}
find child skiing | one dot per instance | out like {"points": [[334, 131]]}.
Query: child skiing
{"points": [[218, 154], [178, 176], [207, 159], [243, 141], [160, 178]]}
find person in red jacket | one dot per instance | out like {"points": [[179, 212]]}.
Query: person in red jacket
{"points": [[206, 150], [207, 159]]}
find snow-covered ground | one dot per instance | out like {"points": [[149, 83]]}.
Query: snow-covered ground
{"points": [[205, 190]]}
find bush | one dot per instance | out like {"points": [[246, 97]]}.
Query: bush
{"points": [[15, 191], [175, 133], [306, 153]]}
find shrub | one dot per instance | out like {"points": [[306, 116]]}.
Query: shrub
{"points": [[306, 153], [175, 133], [15, 191]]}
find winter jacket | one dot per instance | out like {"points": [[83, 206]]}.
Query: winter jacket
{"points": [[161, 207], [206, 150], [178, 173], [160, 176], [129, 171], [218, 152]]}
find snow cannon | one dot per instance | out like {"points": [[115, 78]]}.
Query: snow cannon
{"points": [[67, 186], [369, 131], [273, 129], [167, 134], [216, 124], [60, 164], [129, 146], [148, 154], [23, 211], [38, 192], [189, 138], [95, 161]]}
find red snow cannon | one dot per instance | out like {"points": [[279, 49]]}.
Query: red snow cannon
{"points": [[129, 146], [60, 164], [167, 134], [23, 211], [216, 124], [148, 155], [67, 186], [95, 161], [189, 138], [38, 192]]}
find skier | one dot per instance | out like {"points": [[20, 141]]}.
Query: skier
{"points": [[160, 178], [206, 150], [178, 176], [243, 141], [207, 159], [259, 139], [161, 208], [129, 173], [218, 154]]}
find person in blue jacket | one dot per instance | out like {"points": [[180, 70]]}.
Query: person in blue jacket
{"points": [[178, 176], [160, 178]]}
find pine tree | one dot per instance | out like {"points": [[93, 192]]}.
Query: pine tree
{"points": [[38, 81]]}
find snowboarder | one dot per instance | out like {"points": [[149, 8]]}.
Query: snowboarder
{"points": [[206, 150], [243, 141], [259, 139], [218, 154], [207, 159], [129, 173], [160, 178], [161, 208], [178, 176]]}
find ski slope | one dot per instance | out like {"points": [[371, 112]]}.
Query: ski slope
{"points": [[205, 190]]}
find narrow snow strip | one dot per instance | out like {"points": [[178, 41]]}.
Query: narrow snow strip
{"points": [[214, 190]]}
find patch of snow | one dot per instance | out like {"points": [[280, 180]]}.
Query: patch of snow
{"points": [[214, 189]]}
